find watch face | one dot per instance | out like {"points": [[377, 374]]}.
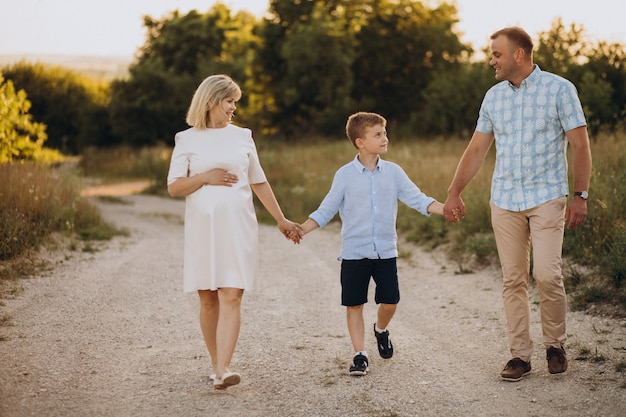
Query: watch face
{"points": [[584, 195]]}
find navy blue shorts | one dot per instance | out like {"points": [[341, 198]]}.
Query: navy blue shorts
{"points": [[355, 280]]}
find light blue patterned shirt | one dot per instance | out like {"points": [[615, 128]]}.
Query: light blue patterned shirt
{"points": [[367, 202], [529, 125]]}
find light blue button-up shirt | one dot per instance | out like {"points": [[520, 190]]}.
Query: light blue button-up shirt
{"points": [[529, 124], [367, 202]]}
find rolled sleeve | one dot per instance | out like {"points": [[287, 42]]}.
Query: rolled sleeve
{"points": [[331, 204]]}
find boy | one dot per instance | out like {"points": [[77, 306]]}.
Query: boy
{"points": [[366, 193]]}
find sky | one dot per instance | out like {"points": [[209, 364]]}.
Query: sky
{"points": [[114, 27]]}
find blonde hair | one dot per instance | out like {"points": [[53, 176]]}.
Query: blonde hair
{"points": [[209, 93], [359, 122]]}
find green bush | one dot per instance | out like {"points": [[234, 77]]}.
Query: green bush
{"points": [[73, 107], [21, 138]]}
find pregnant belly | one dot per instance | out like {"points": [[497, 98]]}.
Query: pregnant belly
{"points": [[216, 199]]}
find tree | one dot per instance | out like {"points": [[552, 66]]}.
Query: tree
{"points": [[560, 49], [314, 81], [401, 46], [20, 136], [598, 71], [595, 96], [64, 101], [180, 51], [324, 59], [452, 100], [150, 107], [607, 64]]}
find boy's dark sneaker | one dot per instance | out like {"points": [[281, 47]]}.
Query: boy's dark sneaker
{"points": [[557, 362], [359, 365], [385, 348], [515, 369]]}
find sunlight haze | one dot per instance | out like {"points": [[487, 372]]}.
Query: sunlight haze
{"points": [[114, 27]]}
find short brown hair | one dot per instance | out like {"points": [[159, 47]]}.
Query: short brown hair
{"points": [[518, 37], [359, 122]]}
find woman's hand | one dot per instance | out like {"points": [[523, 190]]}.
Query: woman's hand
{"points": [[291, 230], [219, 176]]}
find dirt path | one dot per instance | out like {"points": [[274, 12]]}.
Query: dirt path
{"points": [[111, 334]]}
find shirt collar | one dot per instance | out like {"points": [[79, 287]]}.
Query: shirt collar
{"points": [[361, 168], [530, 80]]}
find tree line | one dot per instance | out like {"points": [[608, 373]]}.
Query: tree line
{"points": [[304, 68]]}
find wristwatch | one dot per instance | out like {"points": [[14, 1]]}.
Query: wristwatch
{"points": [[582, 194]]}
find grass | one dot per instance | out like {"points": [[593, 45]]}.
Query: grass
{"points": [[301, 175], [586, 354], [38, 202], [125, 163]]}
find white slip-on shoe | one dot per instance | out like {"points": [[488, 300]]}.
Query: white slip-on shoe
{"points": [[227, 380]]}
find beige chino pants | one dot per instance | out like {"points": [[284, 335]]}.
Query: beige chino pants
{"points": [[543, 227]]}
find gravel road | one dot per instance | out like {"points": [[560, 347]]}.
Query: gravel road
{"points": [[110, 333]]}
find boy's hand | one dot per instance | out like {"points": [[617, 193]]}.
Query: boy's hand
{"points": [[294, 236], [291, 231]]}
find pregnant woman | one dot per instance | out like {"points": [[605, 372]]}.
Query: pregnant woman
{"points": [[215, 166]]}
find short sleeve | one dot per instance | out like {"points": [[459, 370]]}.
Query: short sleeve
{"points": [[256, 175], [484, 123], [179, 163], [570, 109]]}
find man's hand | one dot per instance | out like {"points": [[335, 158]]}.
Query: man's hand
{"points": [[454, 209], [576, 212]]}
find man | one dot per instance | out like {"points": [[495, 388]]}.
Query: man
{"points": [[532, 115]]}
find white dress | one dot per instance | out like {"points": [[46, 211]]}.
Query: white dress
{"points": [[221, 229]]}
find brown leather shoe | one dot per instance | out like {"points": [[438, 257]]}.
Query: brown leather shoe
{"points": [[557, 362], [515, 369]]}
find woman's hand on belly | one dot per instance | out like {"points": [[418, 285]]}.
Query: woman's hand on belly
{"points": [[218, 176]]}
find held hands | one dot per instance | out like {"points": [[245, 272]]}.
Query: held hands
{"points": [[292, 231], [454, 209], [219, 176], [575, 214]]}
